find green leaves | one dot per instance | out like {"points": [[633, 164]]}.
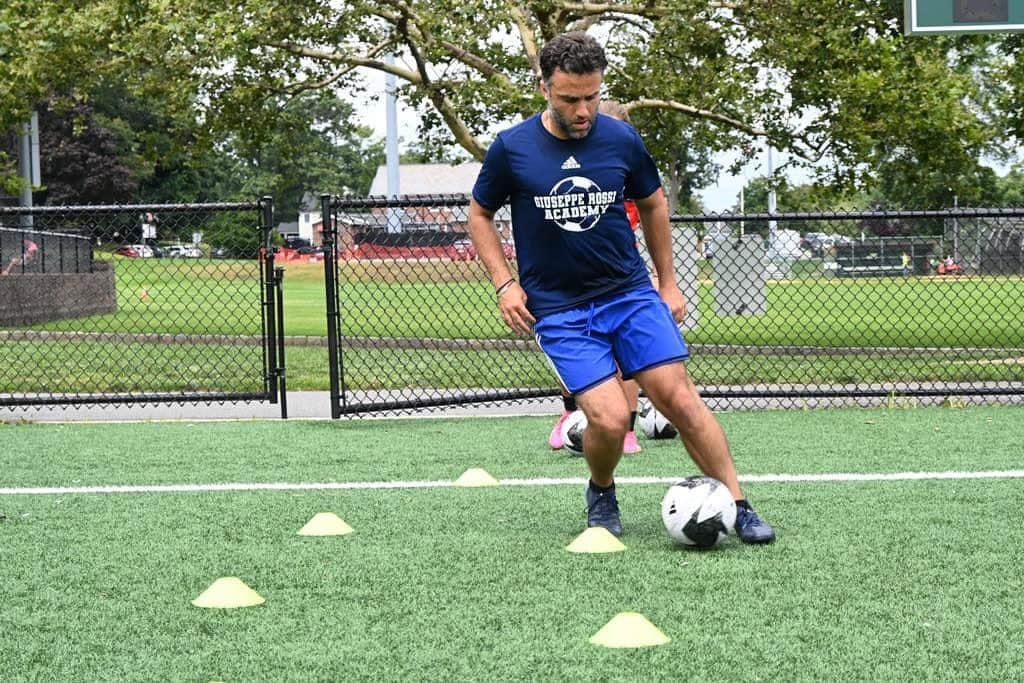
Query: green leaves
{"points": [[833, 82]]}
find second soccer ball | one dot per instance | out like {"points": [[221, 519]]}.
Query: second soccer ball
{"points": [[572, 432]]}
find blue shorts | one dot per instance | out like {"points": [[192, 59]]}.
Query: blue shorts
{"points": [[630, 332]]}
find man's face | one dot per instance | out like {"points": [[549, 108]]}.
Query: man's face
{"points": [[572, 102]]}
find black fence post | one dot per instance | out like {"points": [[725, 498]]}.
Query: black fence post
{"points": [[270, 340], [281, 372], [329, 245]]}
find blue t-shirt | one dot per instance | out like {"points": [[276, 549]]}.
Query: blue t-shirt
{"points": [[573, 239]]}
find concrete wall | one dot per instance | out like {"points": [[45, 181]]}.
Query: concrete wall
{"points": [[30, 298]]}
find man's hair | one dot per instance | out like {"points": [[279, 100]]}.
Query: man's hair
{"points": [[615, 110], [574, 53]]}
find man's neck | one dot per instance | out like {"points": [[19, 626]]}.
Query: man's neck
{"points": [[549, 125]]}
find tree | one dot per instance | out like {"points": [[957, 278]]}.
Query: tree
{"points": [[81, 160], [1011, 187], [310, 147], [832, 82]]}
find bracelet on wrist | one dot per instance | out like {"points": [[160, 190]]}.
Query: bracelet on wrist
{"points": [[504, 286]]}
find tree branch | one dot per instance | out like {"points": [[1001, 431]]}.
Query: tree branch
{"points": [[353, 60], [697, 114], [528, 37], [441, 102], [806, 148], [413, 30], [324, 82], [644, 10], [593, 19]]}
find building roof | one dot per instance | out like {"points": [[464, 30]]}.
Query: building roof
{"points": [[428, 179]]}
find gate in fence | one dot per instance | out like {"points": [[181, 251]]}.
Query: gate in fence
{"points": [[786, 310], [139, 304]]}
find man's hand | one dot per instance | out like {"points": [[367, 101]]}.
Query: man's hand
{"points": [[674, 299], [512, 303]]}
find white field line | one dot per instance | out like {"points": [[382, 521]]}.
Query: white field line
{"points": [[356, 485]]}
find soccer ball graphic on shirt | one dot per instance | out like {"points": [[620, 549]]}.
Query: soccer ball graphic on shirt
{"points": [[698, 512], [577, 185]]}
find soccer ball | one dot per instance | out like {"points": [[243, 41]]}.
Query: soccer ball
{"points": [[698, 512], [577, 185], [572, 432], [653, 424]]}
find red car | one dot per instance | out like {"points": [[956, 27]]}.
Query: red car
{"points": [[127, 251], [463, 250]]}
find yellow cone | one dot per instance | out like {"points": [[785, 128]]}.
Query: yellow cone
{"points": [[476, 477], [596, 539], [325, 524], [228, 592], [629, 629]]}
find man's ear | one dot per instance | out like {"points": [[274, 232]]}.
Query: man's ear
{"points": [[543, 88]]}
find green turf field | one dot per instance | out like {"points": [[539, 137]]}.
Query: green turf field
{"points": [[869, 580]]}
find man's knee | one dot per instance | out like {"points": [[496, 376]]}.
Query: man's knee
{"points": [[610, 422]]}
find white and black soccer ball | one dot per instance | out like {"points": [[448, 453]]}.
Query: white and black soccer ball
{"points": [[653, 424], [572, 432], [698, 512]]}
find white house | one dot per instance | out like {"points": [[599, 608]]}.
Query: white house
{"points": [[428, 179], [414, 179]]}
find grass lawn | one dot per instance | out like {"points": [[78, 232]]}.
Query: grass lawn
{"points": [[222, 297], [869, 580], [425, 300]]}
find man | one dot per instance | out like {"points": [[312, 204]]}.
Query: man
{"points": [[583, 288], [630, 445]]}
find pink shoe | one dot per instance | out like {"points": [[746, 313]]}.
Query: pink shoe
{"points": [[555, 440], [630, 445]]}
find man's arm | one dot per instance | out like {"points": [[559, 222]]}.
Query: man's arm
{"points": [[654, 221], [511, 297]]}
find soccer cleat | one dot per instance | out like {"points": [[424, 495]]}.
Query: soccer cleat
{"points": [[555, 440], [751, 528], [603, 510], [630, 445]]}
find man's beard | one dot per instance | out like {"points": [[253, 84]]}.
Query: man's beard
{"points": [[566, 126]]}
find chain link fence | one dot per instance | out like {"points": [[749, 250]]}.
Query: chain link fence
{"points": [[137, 304], [786, 310]]}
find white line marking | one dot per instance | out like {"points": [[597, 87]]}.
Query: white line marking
{"points": [[441, 483]]}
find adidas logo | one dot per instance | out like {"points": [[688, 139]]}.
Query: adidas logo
{"points": [[570, 163]]}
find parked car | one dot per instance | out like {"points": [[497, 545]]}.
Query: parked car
{"points": [[183, 251], [296, 242], [508, 248], [135, 251], [465, 251], [818, 242]]}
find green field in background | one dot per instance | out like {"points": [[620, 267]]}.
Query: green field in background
{"points": [[222, 297]]}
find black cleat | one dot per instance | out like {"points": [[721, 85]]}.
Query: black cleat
{"points": [[751, 528], [603, 510]]}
